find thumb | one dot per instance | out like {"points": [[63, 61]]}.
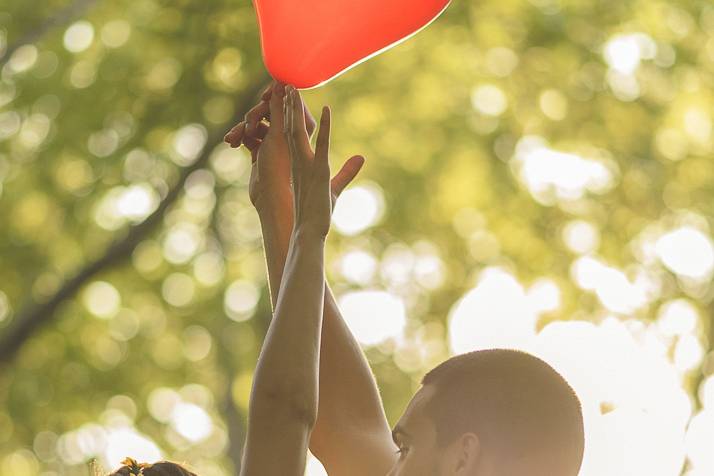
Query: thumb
{"points": [[276, 107], [346, 174]]}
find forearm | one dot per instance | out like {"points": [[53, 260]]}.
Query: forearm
{"points": [[346, 381], [349, 396], [288, 364], [276, 230]]}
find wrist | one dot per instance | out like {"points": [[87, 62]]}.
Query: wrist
{"points": [[276, 208], [308, 234]]}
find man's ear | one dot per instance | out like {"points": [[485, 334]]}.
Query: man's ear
{"points": [[467, 454]]}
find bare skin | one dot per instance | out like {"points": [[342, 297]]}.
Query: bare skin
{"points": [[351, 436], [419, 453], [284, 398]]}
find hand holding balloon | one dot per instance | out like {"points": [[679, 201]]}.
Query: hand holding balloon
{"points": [[262, 133], [310, 171]]}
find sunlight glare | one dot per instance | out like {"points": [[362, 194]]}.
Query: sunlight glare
{"points": [[631, 397], [373, 316], [624, 52], [688, 252], [543, 296], [700, 436], [706, 393], [496, 313], [688, 353], [677, 317], [314, 467], [613, 288], [550, 174]]}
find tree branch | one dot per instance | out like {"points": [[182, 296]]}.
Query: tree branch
{"points": [[34, 316], [63, 17]]}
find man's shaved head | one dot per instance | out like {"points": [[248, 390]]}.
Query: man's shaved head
{"points": [[516, 403]]}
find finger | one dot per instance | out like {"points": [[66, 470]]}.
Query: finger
{"points": [[294, 156], [254, 155], [322, 146], [254, 169], [347, 173], [235, 135], [285, 115], [252, 143], [298, 152], [267, 92], [254, 140], [255, 115], [259, 132], [276, 106], [299, 133], [287, 126], [232, 131]]}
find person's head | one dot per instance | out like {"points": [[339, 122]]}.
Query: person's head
{"points": [[491, 413], [162, 468]]}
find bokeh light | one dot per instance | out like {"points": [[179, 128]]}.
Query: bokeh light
{"points": [[240, 300], [191, 422], [78, 37], [373, 316], [102, 299], [495, 313], [688, 252], [358, 208], [552, 175]]}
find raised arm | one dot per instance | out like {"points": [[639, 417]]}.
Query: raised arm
{"points": [[284, 397], [351, 436]]}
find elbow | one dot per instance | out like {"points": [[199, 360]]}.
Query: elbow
{"points": [[286, 404]]}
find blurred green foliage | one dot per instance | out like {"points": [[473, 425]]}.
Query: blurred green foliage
{"points": [[100, 114]]}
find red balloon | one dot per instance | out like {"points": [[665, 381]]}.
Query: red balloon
{"points": [[308, 42]]}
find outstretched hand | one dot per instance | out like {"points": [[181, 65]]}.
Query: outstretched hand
{"points": [[262, 133], [310, 171]]}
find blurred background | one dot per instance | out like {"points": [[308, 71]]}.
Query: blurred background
{"points": [[539, 176]]}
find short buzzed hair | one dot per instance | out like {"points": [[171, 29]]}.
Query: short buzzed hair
{"points": [[522, 410]]}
